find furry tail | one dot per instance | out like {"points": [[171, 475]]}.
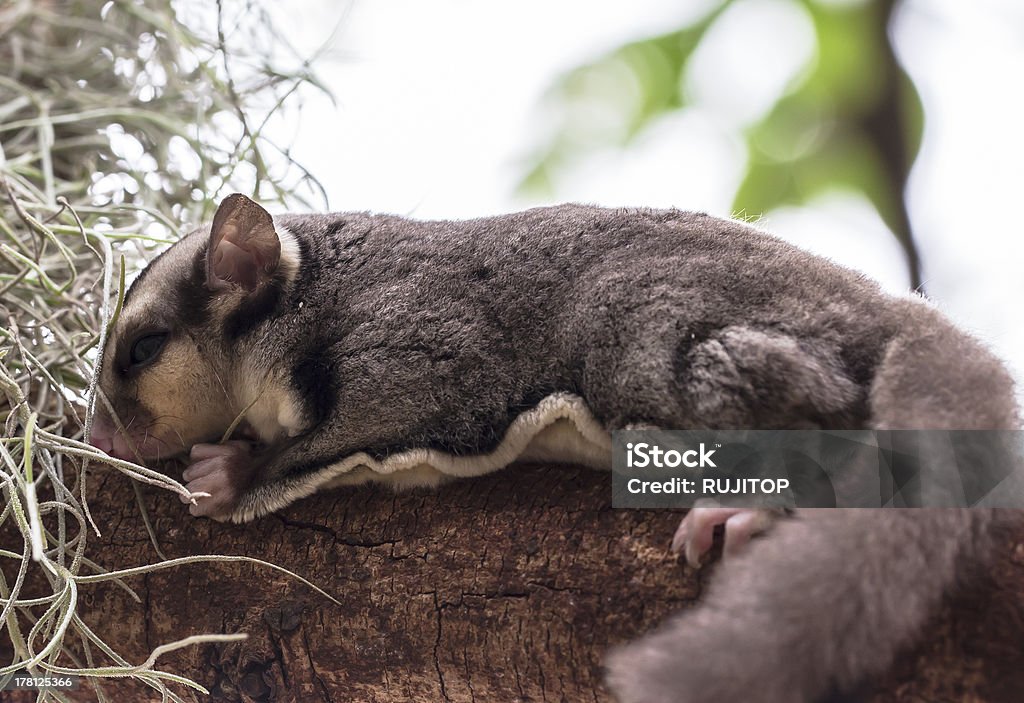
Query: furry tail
{"points": [[830, 597]]}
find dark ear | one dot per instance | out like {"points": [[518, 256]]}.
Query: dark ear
{"points": [[244, 247]]}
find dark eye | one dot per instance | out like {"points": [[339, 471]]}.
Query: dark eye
{"points": [[146, 348]]}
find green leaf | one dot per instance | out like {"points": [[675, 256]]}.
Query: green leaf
{"points": [[610, 100], [822, 135]]}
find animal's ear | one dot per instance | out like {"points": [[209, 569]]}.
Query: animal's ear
{"points": [[244, 247]]}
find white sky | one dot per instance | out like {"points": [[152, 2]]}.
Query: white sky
{"points": [[439, 106]]}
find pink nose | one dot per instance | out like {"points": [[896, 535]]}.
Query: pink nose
{"points": [[102, 436], [104, 444]]}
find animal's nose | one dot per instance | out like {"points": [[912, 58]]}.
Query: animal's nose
{"points": [[102, 435], [104, 444]]}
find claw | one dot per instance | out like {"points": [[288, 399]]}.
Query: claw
{"points": [[696, 532]]}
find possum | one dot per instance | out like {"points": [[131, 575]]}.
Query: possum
{"points": [[355, 347]]}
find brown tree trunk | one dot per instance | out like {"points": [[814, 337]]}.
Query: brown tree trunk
{"points": [[504, 588]]}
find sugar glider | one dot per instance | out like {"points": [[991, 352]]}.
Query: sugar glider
{"points": [[370, 347]]}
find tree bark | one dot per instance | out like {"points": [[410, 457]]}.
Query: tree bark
{"points": [[505, 588]]}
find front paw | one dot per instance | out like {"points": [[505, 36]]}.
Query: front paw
{"points": [[696, 532], [224, 472]]}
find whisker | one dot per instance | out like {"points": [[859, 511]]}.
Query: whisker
{"points": [[223, 387], [172, 428]]}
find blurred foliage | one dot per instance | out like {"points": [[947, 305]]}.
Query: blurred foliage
{"points": [[851, 119], [158, 104]]}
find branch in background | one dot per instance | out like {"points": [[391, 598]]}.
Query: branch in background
{"points": [[850, 120], [892, 130]]}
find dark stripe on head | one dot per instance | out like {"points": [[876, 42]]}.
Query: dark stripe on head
{"points": [[192, 296], [256, 309]]}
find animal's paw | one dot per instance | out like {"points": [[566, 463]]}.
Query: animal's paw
{"points": [[223, 471], [696, 532]]}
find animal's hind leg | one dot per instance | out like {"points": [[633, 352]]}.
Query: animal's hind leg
{"points": [[746, 378], [749, 378]]}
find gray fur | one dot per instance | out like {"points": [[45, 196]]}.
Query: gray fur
{"points": [[400, 334], [818, 606]]}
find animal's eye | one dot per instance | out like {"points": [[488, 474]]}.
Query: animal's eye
{"points": [[146, 348]]}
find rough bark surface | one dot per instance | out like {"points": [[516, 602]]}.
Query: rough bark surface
{"points": [[505, 588]]}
